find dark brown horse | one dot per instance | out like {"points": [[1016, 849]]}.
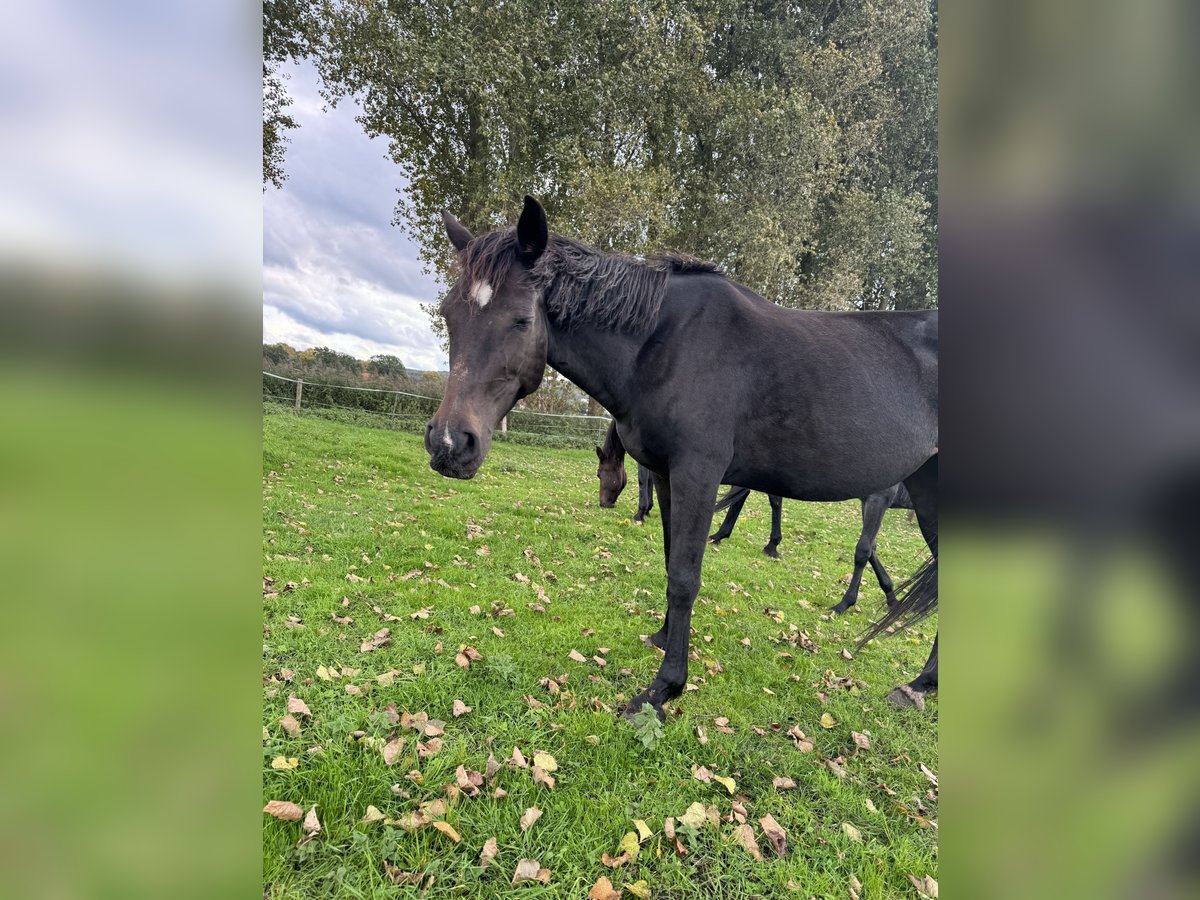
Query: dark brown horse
{"points": [[829, 406]]}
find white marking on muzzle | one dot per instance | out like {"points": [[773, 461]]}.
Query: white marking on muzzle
{"points": [[481, 293], [446, 439]]}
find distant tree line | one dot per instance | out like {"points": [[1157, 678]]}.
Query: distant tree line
{"points": [[321, 365]]}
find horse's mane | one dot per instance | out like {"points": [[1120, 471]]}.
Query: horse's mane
{"points": [[580, 283], [612, 447]]}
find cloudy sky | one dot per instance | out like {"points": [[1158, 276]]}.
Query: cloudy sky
{"points": [[335, 271]]}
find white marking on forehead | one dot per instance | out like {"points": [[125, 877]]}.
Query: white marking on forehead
{"points": [[481, 293], [446, 439]]}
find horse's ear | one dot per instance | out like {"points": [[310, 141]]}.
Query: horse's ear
{"points": [[600, 454], [459, 236], [532, 233]]}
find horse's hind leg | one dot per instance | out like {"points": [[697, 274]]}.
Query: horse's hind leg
{"points": [[913, 693], [922, 487], [731, 516], [772, 548], [884, 579], [873, 508]]}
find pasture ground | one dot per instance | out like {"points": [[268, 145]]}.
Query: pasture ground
{"points": [[357, 526]]}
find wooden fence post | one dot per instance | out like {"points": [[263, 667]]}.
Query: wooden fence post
{"points": [[504, 425], [299, 392]]}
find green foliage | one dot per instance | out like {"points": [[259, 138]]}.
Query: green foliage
{"points": [[647, 726], [795, 146]]}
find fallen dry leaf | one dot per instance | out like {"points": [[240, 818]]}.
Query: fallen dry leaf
{"points": [[392, 750], [644, 831], [783, 783], [488, 853], [775, 834], [518, 759], [290, 725], [530, 816], [694, 816], [639, 889], [373, 815], [861, 740], [721, 723], [702, 774], [730, 784], [851, 832], [284, 762], [926, 886], [381, 638], [933, 779], [428, 748], [603, 890], [541, 776], [285, 810], [827, 720], [803, 744], [297, 706], [530, 870], [460, 708], [576, 656], [398, 876], [701, 736], [744, 835], [614, 862], [545, 761], [469, 782], [311, 824], [446, 829]]}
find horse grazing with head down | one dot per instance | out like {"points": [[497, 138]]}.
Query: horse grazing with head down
{"points": [[829, 406]]}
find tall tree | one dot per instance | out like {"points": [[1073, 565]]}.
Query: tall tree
{"points": [[793, 143]]}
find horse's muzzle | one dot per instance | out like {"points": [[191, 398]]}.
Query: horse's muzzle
{"points": [[453, 452]]}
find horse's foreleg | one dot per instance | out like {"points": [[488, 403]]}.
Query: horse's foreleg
{"points": [[645, 494], [772, 548], [663, 486], [692, 498]]}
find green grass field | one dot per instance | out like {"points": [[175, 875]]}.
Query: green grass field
{"points": [[357, 527]]}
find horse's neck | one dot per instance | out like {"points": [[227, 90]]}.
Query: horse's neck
{"points": [[598, 361]]}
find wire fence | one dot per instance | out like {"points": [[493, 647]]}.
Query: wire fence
{"points": [[402, 411]]}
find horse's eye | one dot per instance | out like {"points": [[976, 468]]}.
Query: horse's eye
{"points": [[521, 324]]}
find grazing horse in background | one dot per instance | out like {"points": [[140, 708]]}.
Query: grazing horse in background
{"points": [[873, 508], [829, 406], [611, 473]]}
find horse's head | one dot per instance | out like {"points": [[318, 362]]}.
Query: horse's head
{"points": [[497, 327], [611, 473]]}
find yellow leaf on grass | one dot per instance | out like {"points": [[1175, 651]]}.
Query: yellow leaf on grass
{"points": [[446, 829], [629, 844], [694, 816], [827, 720], [644, 831], [284, 762], [639, 889], [730, 784], [545, 761]]}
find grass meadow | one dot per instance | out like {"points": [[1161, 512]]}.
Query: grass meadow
{"points": [[519, 574]]}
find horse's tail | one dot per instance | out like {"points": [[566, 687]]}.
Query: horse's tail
{"points": [[731, 496], [919, 596]]}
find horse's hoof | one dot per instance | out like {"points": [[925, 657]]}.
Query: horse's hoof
{"points": [[657, 641], [840, 608], [891, 600], [636, 704], [905, 696], [638, 522], [771, 552]]}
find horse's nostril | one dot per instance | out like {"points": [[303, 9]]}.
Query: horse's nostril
{"points": [[470, 441]]}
